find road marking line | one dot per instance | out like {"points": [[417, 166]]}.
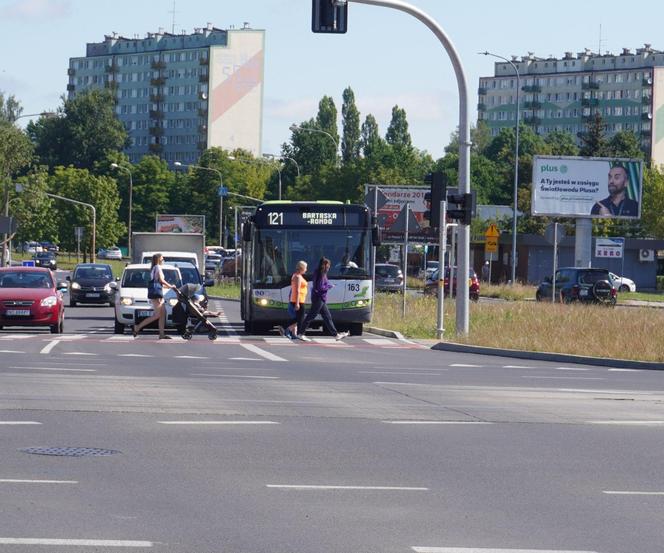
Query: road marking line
{"points": [[518, 367], [243, 359], [258, 351], [81, 543], [78, 353], [47, 348], [436, 422], [394, 372], [18, 423], [564, 377], [10, 351], [238, 376], [571, 369], [612, 492], [626, 370], [72, 336], [55, 369], [133, 355], [379, 488], [466, 365], [17, 481], [216, 422], [20, 336], [331, 342], [483, 550], [190, 357], [119, 338], [402, 383], [280, 341], [628, 423]]}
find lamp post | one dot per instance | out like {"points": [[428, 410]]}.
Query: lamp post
{"points": [[94, 218], [516, 160], [280, 167], [297, 128], [4, 259], [221, 198], [131, 193]]}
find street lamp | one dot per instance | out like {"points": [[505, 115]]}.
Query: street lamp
{"points": [[221, 197], [296, 128], [281, 165], [45, 114], [131, 192], [516, 159]]}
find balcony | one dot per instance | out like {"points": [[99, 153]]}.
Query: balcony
{"points": [[71, 71], [647, 81], [157, 98], [160, 81], [533, 121], [589, 102], [202, 112], [481, 106], [590, 86], [646, 116], [646, 133], [204, 61], [202, 145], [156, 131], [71, 88], [156, 114], [158, 65], [202, 129], [533, 89], [532, 105], [113, 85], [645, 100], [156, 148], [203, 78], [113, 68], [481, 91]]}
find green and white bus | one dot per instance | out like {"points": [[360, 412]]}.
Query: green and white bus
{"points": [[281, 233]]}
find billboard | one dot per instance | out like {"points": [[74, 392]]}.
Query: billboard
{"points": [[389, 213], [180, 223], [587, 187], [609, 247]]}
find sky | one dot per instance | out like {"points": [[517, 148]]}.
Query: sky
{"points": [[387, 57]]}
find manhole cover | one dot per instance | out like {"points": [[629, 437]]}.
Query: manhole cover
{"points": [[70, 451]]}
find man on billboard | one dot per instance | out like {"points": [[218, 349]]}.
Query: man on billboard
{"points": [[617, 204]]}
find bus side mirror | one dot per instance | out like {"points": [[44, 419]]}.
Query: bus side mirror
{"points": [[246, 232], [375, 236]]}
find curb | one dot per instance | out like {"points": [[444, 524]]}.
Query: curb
{"points": [[545, 356], [387, 333]]}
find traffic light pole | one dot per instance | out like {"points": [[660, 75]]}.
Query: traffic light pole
{"points": [[462, 302], [442, 246]]}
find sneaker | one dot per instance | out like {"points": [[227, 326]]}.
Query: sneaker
{"points": [[303, 338], [341, 335]]}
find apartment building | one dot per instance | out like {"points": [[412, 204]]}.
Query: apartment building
{"points": [[180, 94], [562, 94]]}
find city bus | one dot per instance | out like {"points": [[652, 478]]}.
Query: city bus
{"points": [[281, 233]]}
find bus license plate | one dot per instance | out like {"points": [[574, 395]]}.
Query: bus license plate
{"points": [[144, 314], [17, 312]]}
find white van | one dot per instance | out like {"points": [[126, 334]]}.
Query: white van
{"points": [[172, 257]]}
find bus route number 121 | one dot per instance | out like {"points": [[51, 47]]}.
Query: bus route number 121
{"points": [[276, 218]]}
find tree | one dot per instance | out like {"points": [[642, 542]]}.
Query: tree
{"points": [[10, 108], [652, 207], [593, 139], [370, 140], [34, 210], [152, 182], [625, 144], [397, 132], [15, 150], [86, 131], [350, 142], [561, 143]]}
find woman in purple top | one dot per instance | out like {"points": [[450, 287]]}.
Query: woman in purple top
{"points": [[319, 289]]}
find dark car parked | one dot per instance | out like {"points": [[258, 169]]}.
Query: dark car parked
{"points": [[389, 278], [92, 283], [431, 285], [45, 259], [580, 284]]}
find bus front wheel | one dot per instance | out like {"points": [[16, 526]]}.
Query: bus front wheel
{"points": [[356, 329]]}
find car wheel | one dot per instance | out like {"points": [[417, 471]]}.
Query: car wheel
{"points": [[356, 329], [111, 304], [624, 288], [249, 327], [72, 303], [538, 296], [58, 328], [119, 328], [475, 297]]}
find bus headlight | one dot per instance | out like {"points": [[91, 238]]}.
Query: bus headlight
{"points": [[263, 302], [360, 303]]}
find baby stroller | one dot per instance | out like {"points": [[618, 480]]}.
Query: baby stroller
{"points": [[188, 313]]}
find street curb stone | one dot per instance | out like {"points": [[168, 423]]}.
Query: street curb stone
{"points": [[384, 332], [545, 356]]}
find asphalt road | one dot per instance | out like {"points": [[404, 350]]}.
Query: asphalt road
{"points": [[255, 444]]}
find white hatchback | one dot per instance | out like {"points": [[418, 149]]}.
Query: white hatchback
{"points": [[622, 284], [131, 299]]}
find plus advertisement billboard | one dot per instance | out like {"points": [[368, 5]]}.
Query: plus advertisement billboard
{"points": [[587, 187]]}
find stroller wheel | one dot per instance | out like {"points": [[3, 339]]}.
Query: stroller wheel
{"points": [[187, 335], [212, 335]]}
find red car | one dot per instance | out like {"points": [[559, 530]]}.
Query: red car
{"points": [[30, 296], [431, 285]]}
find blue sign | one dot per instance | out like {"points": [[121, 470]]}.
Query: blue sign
{"points": [[223, 191], [28, 263]]}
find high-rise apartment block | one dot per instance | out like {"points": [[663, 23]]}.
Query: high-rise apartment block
{"points": [[627, 90], [180, 94]]}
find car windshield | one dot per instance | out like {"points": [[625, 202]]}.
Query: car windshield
{"points": [[93, 273], [387, 271], [190, 275], [139, 278], [44, 255], [25, 279], [591, 277]]}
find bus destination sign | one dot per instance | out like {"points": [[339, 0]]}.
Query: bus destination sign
{"points": [[310, 217]]}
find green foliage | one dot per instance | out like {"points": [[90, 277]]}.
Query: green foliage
{"points": [[10, 108], [15, 150], [85, 133], [34, 210], [652, 206], [593, 139], [350, 142], [397, 133]]}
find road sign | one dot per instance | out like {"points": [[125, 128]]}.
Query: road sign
{"points": [[549, 233], [371, 197], [27, 263], [222, 191], [492, 231], [78, 233]]}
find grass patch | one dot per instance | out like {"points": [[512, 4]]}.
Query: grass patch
{"points": [[517, 292], [226, 289], [641, 296], [573, 329]]}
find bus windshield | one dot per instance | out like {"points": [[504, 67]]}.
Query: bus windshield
{"points": [[276, 251]]}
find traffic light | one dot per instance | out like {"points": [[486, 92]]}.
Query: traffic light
{"points": [[461, 207], [438, 190], [329, 16]]}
